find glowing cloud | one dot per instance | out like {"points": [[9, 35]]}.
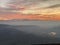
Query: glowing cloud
{"points": [[41, 7]]}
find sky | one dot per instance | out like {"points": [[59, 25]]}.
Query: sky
{"points": [[29, 7]]}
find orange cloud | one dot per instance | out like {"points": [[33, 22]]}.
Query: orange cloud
{"points": [[31, 10], [29, 16]]}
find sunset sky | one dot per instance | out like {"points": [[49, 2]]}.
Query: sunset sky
{"points": [[30, 9]]}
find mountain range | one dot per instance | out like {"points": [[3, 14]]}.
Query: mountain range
{"points": [[18, 35]]}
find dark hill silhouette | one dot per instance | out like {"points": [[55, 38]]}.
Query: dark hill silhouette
{"points": [[12, 36]]}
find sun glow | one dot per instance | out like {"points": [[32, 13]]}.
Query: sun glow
{"points": [[55, 11]]}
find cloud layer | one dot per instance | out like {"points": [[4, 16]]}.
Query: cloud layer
{"points": [[20, 5], [49, 7]]}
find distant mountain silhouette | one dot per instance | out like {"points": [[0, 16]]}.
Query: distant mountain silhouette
{"points": [[12, 36]]}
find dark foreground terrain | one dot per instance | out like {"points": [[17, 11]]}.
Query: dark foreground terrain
{"points": [[10, 35]]}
